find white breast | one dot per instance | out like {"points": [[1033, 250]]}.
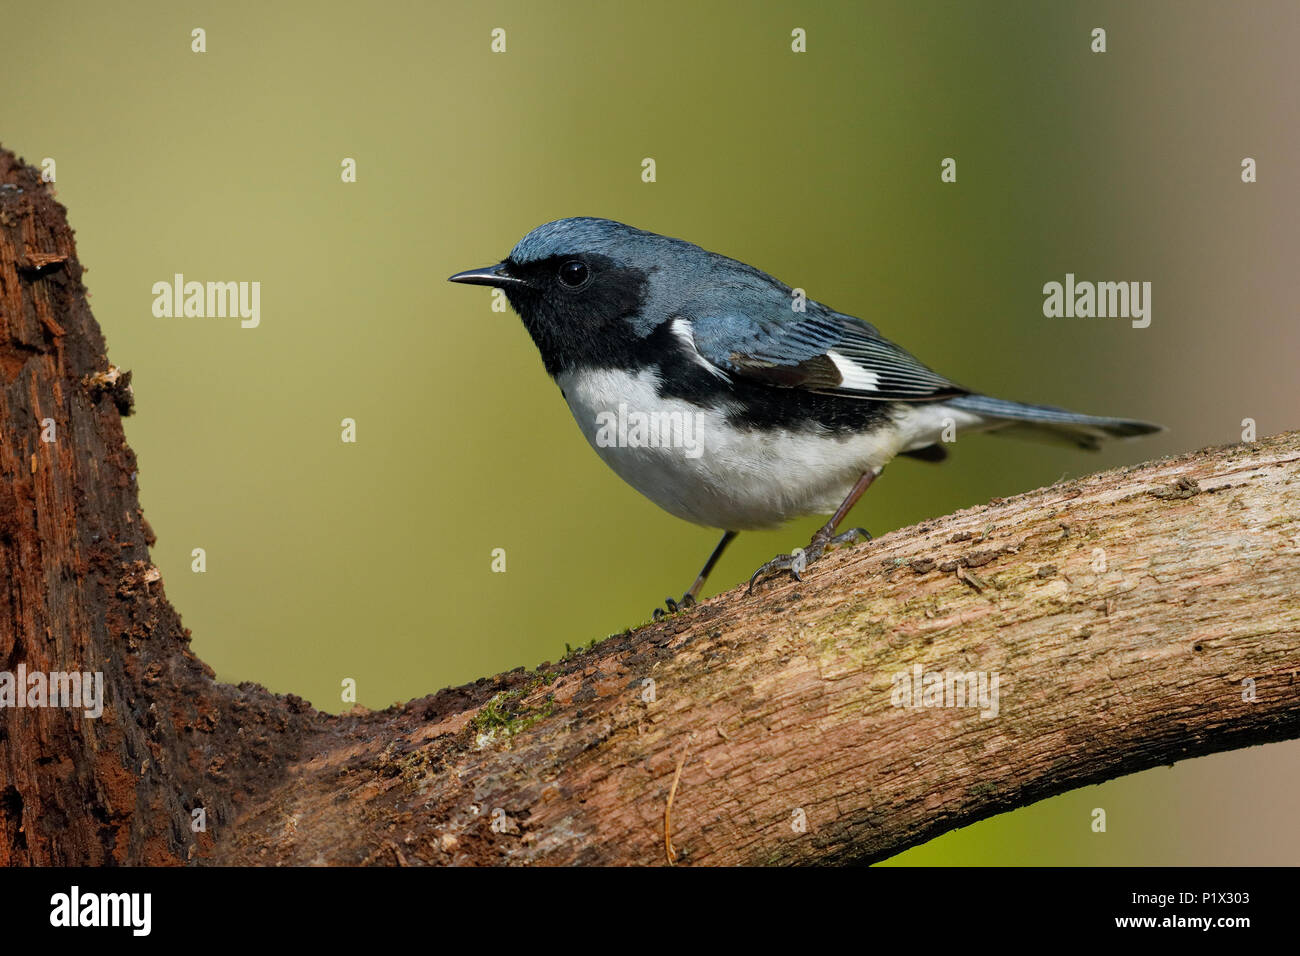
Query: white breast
{"points": [[696, 465]]}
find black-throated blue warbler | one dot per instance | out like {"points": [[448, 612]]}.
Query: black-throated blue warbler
{"points": [[728, 399]]}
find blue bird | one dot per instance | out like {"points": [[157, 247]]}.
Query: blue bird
{"points": [[729, 401]]}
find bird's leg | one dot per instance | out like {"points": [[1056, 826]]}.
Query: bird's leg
{"points": [[688, 599], [825, 536]]}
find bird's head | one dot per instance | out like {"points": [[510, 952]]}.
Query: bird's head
{"points": [[586, 287]]}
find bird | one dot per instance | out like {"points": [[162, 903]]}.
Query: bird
{"points": [[730, 399]]}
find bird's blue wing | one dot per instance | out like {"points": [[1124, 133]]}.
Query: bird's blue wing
{"points": [[819, 350]]}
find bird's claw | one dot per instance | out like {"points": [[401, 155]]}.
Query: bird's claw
{"points": [[852, 536], [800, 558], [673, 607], [795, 563]]}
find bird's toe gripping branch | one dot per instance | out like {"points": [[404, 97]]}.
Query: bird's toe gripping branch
{"points": [[797, 562]]}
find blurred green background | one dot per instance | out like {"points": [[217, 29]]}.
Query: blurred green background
{"points": [[372, 560]]}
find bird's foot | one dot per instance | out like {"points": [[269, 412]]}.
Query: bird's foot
{"points": [[687, 602], [797, 562]]}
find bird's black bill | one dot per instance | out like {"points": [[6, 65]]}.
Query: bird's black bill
{"points": [[490, 275]]}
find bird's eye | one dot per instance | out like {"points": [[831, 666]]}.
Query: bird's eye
{"points": [[574, 274]]}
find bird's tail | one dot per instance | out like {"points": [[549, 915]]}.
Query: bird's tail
{"points": [[1053, 425]]}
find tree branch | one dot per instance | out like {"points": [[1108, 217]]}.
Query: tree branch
{"points": [[1131, 618]]}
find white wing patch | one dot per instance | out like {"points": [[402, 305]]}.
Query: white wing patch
{"points": [[854, 375]]}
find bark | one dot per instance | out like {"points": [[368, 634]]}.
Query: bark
{"points": [[1134, 618]]}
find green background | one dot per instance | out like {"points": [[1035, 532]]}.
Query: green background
{"points": [[372, 561]]}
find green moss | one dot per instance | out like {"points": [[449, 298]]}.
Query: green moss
{"points": [[506, 714], [572, 652]]}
